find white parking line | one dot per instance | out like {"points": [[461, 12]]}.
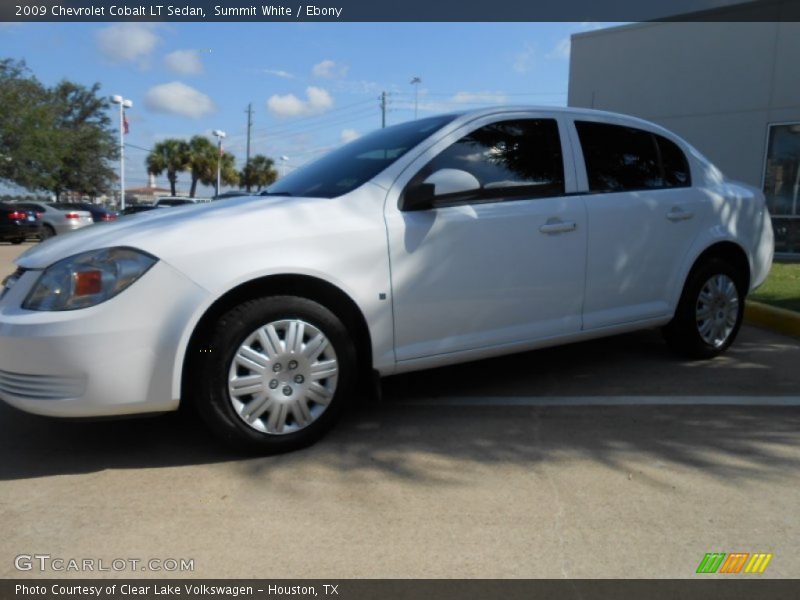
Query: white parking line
{"points": [[605, 401]]}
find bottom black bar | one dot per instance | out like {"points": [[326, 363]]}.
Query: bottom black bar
{"points": [[720, 587]]}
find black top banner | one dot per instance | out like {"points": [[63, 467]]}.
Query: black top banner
{"points": [[408, 10]]}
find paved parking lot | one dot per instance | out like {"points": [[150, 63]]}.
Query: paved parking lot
{"points": [[610, 458]]}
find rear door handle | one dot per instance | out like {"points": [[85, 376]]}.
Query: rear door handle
{"points": [[558, 226], [678, 214]]}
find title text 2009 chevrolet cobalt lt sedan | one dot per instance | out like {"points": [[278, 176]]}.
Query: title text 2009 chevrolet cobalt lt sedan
{"points": [[445, 239]]}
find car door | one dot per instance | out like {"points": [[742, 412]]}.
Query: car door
{"points": [[643, 215], [496, 254]]}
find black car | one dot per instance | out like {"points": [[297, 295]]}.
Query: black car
{"points": [[99, 213], [132, 209], [17, 224]]}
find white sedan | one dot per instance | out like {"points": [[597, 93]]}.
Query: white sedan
{"points": [[440, 240]]}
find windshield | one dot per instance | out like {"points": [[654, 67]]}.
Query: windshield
{"points": [[352, 165]]}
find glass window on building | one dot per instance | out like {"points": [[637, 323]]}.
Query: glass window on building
{"points": [[782, 185]]}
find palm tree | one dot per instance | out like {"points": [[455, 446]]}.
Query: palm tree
{"points": [[202, 162], [259, 173], [228, 173], [170, 155]]}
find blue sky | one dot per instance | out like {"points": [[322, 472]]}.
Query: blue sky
{"points": [[312, 85]]}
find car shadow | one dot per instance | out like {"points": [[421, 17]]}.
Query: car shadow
{"points": [[402, 434]]}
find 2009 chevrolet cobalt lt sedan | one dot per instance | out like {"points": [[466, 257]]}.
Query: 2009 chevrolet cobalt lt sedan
{"points": [[441, 240]]}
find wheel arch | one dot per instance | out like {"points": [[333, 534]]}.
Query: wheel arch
{"points": [[727, 250], [306, 286]]}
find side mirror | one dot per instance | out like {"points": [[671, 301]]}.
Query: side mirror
{"points": [[444, 182], [453, 181]]}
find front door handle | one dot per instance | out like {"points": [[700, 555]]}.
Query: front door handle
{"points": [[558, 226], [678, 214]]}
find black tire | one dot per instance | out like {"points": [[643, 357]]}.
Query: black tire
{"points": [[47, 232], [17, 241], [211, 395], [683, 332]]}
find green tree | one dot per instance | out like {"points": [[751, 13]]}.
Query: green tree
{"points": [[228, 172], [259, 173], [53, 139], [202, 162], [171, 156], [86, 140]]}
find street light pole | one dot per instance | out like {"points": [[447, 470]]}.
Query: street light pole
{"points": [[415, 82], [123, 104], [219, 135]]}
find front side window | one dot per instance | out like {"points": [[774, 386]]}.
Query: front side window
{"points": [[506, 160]]}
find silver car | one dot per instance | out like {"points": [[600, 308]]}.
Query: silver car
{"points": [[56, 221]]}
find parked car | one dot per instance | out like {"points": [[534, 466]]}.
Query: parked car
{"points": [[436, 241], [100, 214], [233, 194], [55, 220], [133, 209], [173, 201], [17, 224]]}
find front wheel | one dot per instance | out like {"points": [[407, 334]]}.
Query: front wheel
{"points": [[275, 374], [710, 310], [17, 241]]}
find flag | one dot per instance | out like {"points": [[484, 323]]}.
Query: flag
{"points": [[125, 127]]}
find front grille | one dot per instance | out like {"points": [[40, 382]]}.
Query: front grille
{"points": [[41, 387]]}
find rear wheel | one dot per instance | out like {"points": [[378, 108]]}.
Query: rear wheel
{"points": [[47, 232], [277, 372], [710, 310]]}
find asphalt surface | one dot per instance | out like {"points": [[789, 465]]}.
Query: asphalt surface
{"points": [[611, 458]]}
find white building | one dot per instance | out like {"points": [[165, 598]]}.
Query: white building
{"points": [[732, 89]]}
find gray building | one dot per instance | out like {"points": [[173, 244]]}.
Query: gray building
{"points": [[730, 89]]}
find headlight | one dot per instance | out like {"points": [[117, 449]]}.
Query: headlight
{"points": [[87, 279]]}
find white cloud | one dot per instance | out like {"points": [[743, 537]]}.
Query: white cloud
{"points": [[279, 73], [184, 62], [329, 69], [479, 97], [348, 135], [561, 50], [523, 61], [126, 42], [317, 101], [177, 98]]}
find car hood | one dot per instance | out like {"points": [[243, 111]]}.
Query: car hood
{"points": [[170, 232]]}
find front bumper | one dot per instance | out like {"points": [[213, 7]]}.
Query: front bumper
{"points": [[115, 358]]}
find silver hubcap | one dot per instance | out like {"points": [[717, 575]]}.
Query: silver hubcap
{"points": [[717, 310], [283, 377]]}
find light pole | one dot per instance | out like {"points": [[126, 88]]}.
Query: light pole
{"points": [[284, 160], [219, 135], [123, 104], [415, 82]]}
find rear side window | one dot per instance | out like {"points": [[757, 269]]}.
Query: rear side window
{"points": [[675, 165], [622, 159]]}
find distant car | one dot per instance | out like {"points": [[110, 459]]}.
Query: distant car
{"points": [[17, 223], [234, 194], [132, 209], [100, 214], [56, 221], [173, 201]]}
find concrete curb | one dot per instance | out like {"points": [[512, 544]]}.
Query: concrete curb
{"points": [[781, 320]]}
